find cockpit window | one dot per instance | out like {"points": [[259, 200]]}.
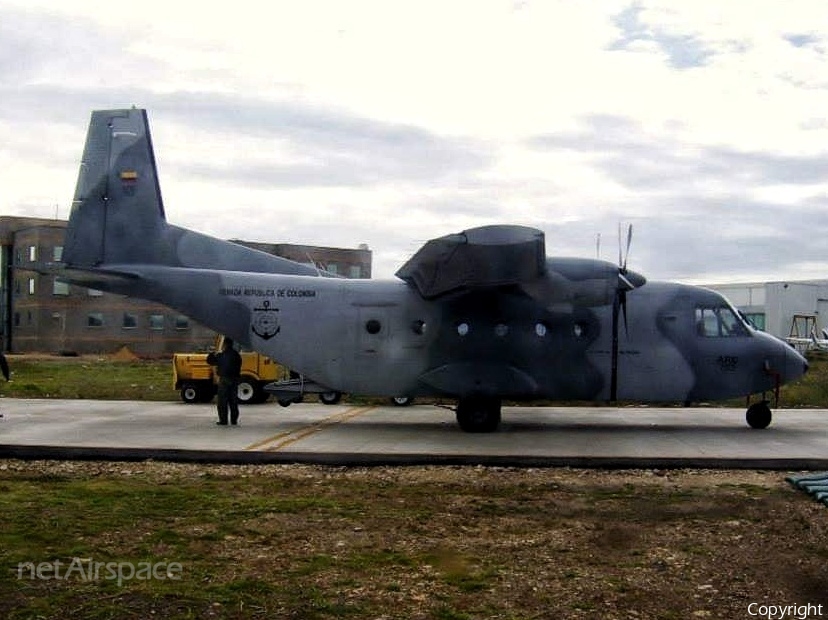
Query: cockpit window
{"points": [[719, 322]]}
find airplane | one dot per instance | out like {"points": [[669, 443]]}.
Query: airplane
{"points": [[478, 316]]}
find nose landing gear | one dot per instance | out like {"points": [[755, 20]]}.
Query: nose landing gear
{"points": [[759, 415]]}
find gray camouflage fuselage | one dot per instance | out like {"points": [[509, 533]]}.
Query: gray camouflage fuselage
{"points": [[480, 314]]}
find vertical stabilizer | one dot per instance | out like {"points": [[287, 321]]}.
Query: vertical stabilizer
{"points": [[117, 205]]}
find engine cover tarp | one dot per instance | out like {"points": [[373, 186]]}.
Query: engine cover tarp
{"points": [[478, 257]]}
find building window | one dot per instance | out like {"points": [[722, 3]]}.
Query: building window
{"points": [[17, 319], [32, 253], [60, 288], [31, 286], [182, 322], [332, 268], [355, 271], [94, 292], [95, 319], [57, 253], [757, 319], [130, 321], [156, 321], [17, 287]]}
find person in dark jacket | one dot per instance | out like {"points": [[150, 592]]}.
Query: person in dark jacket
{"points": [[228, 368]]}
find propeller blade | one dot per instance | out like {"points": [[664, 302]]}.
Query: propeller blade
{"points": [[623, 300], [629, 242]]}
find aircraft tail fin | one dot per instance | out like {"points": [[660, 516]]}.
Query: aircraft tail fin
{"points": [[117, 205], [118, 219]]}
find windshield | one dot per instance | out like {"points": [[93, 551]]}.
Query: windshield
{"points": [[720, 322]]}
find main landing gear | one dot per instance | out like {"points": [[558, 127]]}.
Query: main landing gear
{"points": [[478, 414]]}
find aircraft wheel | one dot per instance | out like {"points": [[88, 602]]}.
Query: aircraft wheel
{"points": [[287, 402], [478, 415], [246, 392], [330, 398], [402, 401], [759, 415]]}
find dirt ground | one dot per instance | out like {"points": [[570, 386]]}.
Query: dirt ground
{"points": [[476, 542]]}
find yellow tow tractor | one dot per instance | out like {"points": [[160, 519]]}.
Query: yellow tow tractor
{"points": [[196, 380]]}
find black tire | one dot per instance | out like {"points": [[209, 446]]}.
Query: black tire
{"points": [[190, 393], [247, 391], [330, 398], [478, 415], [402, 401], [759, 415]]}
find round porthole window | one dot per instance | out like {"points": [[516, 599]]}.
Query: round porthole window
{"points": [[372, 326], [540, 329], [501, 329], [463, 328]]}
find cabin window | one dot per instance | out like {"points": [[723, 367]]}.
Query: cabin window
{"points": [[501, 329], [719, 322], [462, 328], [373, 326], [95, 319], [129, 321], [541, 329]]}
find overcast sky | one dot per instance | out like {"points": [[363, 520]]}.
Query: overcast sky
{"points": [[703, 123]]}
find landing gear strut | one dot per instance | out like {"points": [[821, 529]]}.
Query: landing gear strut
{"points": [[478, 414], [759, 414]]}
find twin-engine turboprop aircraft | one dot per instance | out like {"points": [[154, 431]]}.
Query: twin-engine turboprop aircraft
{"points": [[479, 316]]}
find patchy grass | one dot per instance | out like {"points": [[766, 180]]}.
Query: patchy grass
{"points": [[420, 542], [89, 377]]}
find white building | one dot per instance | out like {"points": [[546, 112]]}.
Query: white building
{"points": [[784, 309]]}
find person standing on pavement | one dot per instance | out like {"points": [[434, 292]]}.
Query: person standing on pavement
{"points": [[228, 367]]}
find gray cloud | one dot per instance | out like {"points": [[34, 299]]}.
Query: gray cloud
{"points": [[705, 218], [343, 149], [642, 161]]}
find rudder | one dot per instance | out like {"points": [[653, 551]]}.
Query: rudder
{"points": [[117, 207]]}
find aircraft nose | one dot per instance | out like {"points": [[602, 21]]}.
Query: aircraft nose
{"points": [[795, 364]]}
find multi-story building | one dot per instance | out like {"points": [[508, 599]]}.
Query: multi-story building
{"points": [[39, 313]]}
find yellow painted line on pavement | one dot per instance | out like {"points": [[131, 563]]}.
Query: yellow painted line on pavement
{"points": [[286, 438]]}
